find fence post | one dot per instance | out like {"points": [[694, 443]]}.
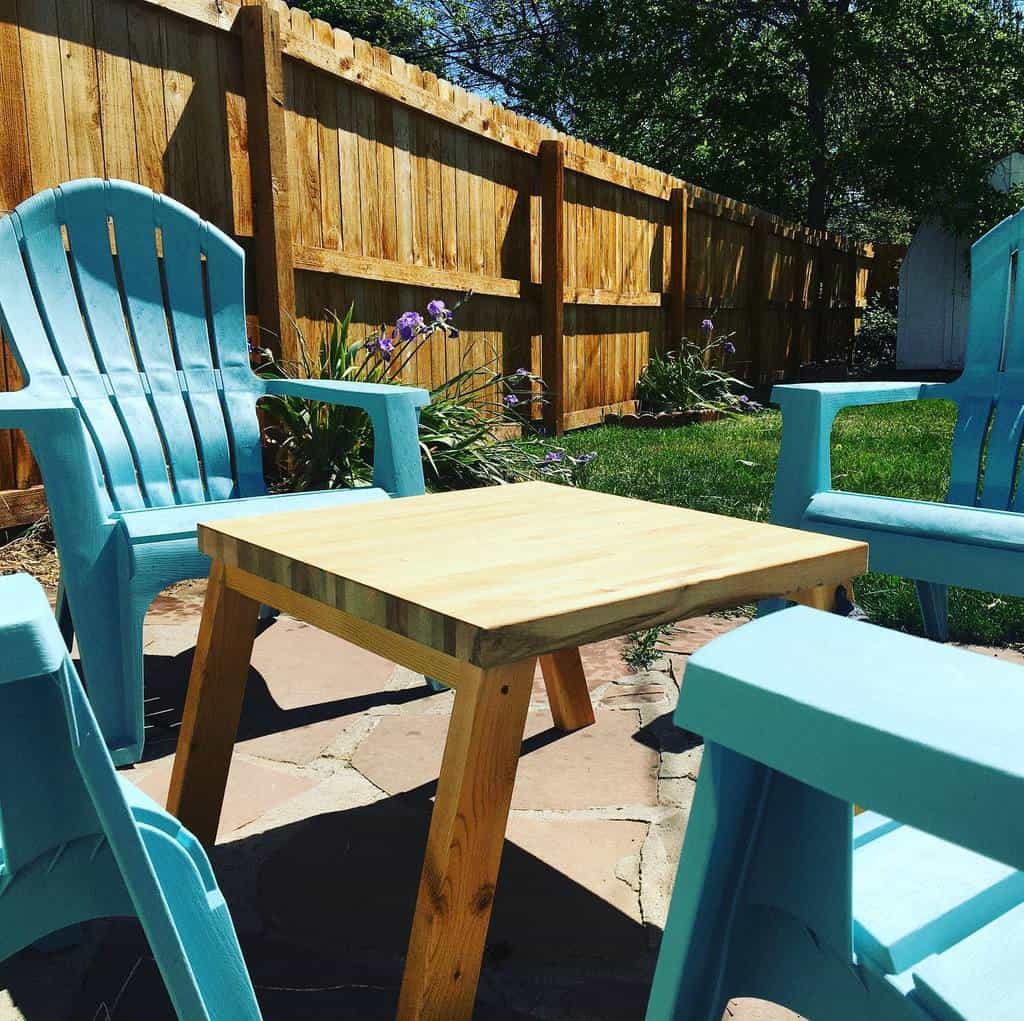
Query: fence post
{"points": [[552, 276], [757, 294], [679, 206], [854, 292], [826, 269], [268, 158], [798, 308]]}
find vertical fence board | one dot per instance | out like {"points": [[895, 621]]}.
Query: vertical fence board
{"points": [[117, 106]]}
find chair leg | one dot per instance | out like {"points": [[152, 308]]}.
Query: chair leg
{"points": [[934, 600], [198, 954], [108, 622], [689, 978]]}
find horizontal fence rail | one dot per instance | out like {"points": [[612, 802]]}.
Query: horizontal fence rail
{"points": [[351, 176]]}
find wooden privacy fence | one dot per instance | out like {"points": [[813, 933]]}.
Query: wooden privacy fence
{"points": [[351, 176]]}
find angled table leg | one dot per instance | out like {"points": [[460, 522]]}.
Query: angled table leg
{"points": [[467, 831], [823, 597], [568, 694], [213, 707]]}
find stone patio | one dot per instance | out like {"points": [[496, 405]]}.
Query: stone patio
{"points": [[325, 821]]}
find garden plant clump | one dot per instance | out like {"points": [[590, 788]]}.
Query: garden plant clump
{"points": [[694, 378], [466, 432]]}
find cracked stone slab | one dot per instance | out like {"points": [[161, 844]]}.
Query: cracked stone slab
{"points": [[659, 860], [634, 692], [253, 788], [600, 765], [597, 854]]}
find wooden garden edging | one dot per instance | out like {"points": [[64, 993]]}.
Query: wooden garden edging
{"points": [[352, 176]]}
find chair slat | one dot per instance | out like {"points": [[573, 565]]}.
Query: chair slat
{"points": [[24, 326], [968, 443], [1001, 456], [1012, 271], [181, 230], [21, 320], [991, 346], [82, 208], [225, 272], [135, 229], [47, 264]]}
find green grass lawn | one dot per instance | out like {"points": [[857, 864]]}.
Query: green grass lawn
{"points": [[728, 467]]}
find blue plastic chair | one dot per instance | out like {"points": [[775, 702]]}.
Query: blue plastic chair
{"points": [[140, 408], [77, 843], [781, 895], [975, 539]]}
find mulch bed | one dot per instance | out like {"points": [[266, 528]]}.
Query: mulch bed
{"points": [[34, 552]]}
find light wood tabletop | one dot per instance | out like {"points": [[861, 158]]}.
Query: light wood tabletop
{"points": [[472, 588]]}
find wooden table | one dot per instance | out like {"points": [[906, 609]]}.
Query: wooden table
{"points": [[471, 588]]}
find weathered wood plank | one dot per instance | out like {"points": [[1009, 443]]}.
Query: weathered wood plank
{"points": [[16, 178], [145, 49], [268, 146], [117, 106], [44, 101], [324, 260], [21, 506]]}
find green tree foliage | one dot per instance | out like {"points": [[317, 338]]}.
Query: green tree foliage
{"points": [[399, 27], [866, 115]]}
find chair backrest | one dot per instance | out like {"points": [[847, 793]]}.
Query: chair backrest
{"points": [[135, 306], [990, 393], [44, 802]]}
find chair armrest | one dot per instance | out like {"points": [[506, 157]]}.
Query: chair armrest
{"points": [[368, 396], [32, 641], [808, 412], [21, 409], [918, 731], [394, 415]]}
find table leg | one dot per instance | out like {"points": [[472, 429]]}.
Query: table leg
{"points": [[568, 694], [822, 597], [467, 831], [213, 707]]}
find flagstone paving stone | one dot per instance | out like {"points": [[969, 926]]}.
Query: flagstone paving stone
{"points": [[599, 766]]}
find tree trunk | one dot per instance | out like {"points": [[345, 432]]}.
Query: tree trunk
{"points": [[818, 82]]}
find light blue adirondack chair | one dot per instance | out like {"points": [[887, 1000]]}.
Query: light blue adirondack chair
{"points": [[781, 895], [78, 843], [975, 539], [140, 408]]}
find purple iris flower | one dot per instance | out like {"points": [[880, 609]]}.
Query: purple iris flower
{"points": [[510, 400], [408, 323], [437, 309], [386, 347], [587, 458], [729, 347], [553, 456], [522, 372], [707, 325]]}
